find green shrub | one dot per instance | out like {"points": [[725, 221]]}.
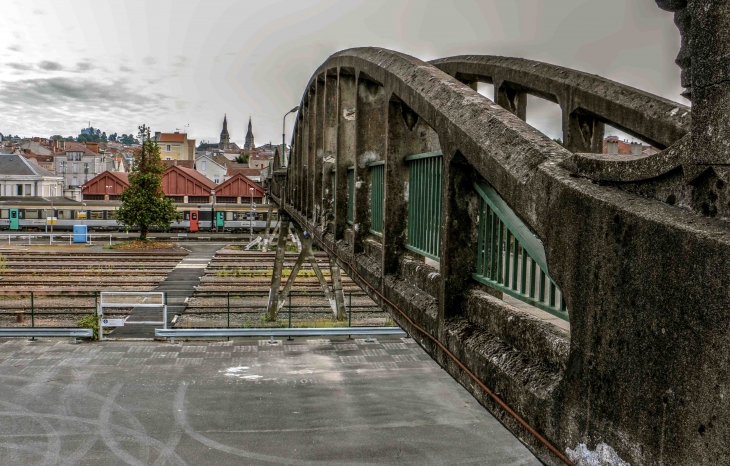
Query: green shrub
{"points": [[90, 321]]}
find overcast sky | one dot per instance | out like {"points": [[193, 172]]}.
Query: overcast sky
{"points": [[174, 63]]}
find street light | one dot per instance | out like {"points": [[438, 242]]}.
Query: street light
{"points": [[283, 135], [250, 217], [212, 212]]}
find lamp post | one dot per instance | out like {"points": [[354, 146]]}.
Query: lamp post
{"points": [[283, 135], [250, 218], [212, 212], [107, 192]]}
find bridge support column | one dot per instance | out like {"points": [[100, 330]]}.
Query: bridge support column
{"points": [[511, 99], [371, 124], [318, 153], [330, 150], [337, 289], [345, 145], [458, 234], [311, 171], [582, 132], [283, 226]]}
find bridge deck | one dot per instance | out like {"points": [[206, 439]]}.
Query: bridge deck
{"points": [[241, 402]]}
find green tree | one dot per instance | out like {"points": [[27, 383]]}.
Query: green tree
{"points": [[559, 141], [56, 137], [143, 202], [243, 158]]}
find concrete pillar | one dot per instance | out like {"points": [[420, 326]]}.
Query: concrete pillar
{"points": [[582, 132], [304, 160], [407, 135], [511, 99], [185, 199], [272, 306], [337, 289], [346, 116], [709, 75], [459, 204], [318, 151], [311, 153], [370, 140], [330, 147]]}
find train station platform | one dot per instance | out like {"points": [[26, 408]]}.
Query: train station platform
{"points": [[304, 402]]}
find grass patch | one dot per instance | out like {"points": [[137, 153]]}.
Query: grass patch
{"points": [[139, 244], [92, 322]]}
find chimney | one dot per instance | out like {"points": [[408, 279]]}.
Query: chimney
{"points": [[612, 147], [158, 134], [93, 146], [636, 148]]}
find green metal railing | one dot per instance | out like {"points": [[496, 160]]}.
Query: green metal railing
{"points": [[350, 194], [511, 258], [424, 203], [377, 194]]}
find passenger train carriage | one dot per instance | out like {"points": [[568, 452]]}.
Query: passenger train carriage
{"points": [[30, 214]]}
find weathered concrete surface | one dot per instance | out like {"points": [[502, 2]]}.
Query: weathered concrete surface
{"points": [[647, 286], [304, 403]]}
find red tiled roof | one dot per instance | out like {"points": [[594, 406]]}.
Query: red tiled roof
{"points": [[179, 163], [243, 171], [238, 186], [172, 137], [78, 147], [117, 182]]}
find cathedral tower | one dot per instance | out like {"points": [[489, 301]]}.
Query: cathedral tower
{"points": [[249, 144], [225, 138]]}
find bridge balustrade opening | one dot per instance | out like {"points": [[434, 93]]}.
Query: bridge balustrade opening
{"points": [[424, 204]]}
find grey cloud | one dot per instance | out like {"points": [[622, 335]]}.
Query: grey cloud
{"points": [[46, 65], [20, 66], [80, 94], [149, 61], [125, 69], [83, 66], [15, 48]]}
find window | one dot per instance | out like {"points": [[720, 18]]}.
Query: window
{"points": [[96, 215], [216, 180], [111, 214], [167, 148], [86, 168], [93, 197], [64, 213], [19, 190], [202, 166], [32, 213], [69, 156], [75, 181], [192, 199], [76, 168], [225, 200], [63, 166], [168, 158]]}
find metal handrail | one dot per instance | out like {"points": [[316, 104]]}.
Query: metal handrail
{"points": [[74, 333], [276, 332]]}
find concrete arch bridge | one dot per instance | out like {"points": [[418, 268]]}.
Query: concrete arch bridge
{"points": [[440, 202]]}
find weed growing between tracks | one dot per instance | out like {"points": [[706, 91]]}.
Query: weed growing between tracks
{"points": [[140, 244]]}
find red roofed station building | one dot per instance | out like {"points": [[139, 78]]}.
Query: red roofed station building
{"points": [[237, 190], [106, 186], [183, 185], [187, 185]]}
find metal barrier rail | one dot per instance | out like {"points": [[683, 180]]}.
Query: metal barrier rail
{"points": [[30, 236], [276, 332], [47, 332]]}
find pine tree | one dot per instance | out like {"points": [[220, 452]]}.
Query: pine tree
{"points": [[143, 202]]}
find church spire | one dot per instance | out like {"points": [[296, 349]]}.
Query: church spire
{"points": [[225, 138], [249, 144]]}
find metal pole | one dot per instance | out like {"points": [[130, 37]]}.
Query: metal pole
{"points": [[289, 315], [349, 318], [32, 314], [228, 307]]}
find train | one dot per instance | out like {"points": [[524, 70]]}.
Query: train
{"points": [[20, 214]]}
